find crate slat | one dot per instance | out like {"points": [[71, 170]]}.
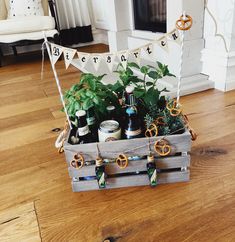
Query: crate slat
{"points": [[135, 147], [130, 181], [133, 166]]}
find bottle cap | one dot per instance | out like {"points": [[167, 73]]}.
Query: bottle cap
{"points": [[130, 89], [80, 113], [110, 108], [150, 158], [99, 162]]}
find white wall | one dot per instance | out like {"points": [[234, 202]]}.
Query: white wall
{"points": [[219, 62]]}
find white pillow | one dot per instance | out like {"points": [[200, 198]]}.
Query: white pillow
{"points": [[22, 8]]}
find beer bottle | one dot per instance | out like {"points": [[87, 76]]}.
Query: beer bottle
{"points": [[83, 131], [100, 173], [133, 124], [129, 96], [92, 123], [111, 113], [152, 171]]}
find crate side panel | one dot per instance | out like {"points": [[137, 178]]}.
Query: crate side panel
{"points": [[133, 166], [129, 181]]}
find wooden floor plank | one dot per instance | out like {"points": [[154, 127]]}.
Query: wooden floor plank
{"points": [[33, 173], [19, 224]]}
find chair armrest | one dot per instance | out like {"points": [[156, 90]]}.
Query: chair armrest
{"points": [[53, 9]]}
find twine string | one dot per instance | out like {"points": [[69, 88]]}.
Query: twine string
{"points": [[43, 58], [57, 79]]}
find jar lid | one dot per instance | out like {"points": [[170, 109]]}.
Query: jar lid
{"points": [[109, 126]]}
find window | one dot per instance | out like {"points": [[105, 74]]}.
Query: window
{"points": [[150, 15]]}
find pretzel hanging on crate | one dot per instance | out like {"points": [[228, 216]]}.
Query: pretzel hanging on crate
{"points": [[152, 131], [174, 108], [77, 162], [59, 143], [191, 130], [122, 161], [162, 147]]}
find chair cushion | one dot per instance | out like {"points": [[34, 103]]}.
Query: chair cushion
{"points": [[5, 7], [3, 10], [26, 25], [23, 8], [11, 38]]}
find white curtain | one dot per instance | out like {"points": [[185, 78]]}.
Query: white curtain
{"points": [[73, 13]]}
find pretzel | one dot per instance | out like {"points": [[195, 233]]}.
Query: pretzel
{"points": [[184, 23], [77, 162], [162, 147], [122, 161], [191, 130], [59, 143], [175, 109], [151, 131], [160, 121]]}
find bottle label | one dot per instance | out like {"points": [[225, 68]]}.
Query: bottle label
{"points": [[83, 131], [90, 120], [133, 133]]}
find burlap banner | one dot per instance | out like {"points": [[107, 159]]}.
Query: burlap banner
{"points": [[109, 58]]}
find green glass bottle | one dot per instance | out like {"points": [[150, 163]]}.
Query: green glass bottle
{"points": [[100, 173], [152, 170]]}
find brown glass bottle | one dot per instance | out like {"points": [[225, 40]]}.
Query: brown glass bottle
{"points": [[83, 131]]}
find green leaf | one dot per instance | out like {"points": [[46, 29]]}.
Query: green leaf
{"points": [[139, 93], [87, 104], [133, 64], [144, 69], [89, 93], [169, 74], [160, 65], [151, 66], [148, 84], [99, 78], [129, 72], [92, 83], [77, 106], [153, 74]]}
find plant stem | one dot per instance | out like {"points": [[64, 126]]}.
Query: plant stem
{"points": [[144, 82]]}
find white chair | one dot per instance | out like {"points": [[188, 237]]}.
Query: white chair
{"points": [[18, 28]]}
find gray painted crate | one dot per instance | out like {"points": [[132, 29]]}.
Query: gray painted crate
{"points": [[173, 168]]}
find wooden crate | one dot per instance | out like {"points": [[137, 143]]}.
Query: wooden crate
{"points": [[173, 168]]}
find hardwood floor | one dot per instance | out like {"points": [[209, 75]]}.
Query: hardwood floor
{"points": [[36, 201]]}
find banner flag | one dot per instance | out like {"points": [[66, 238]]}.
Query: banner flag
{"points": [[83, 58], [149, 49], [175, 36], [163, 43], [56, 51], [68, 56], [109, 60], [96, 59], [123, 57], [136, 55]]}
